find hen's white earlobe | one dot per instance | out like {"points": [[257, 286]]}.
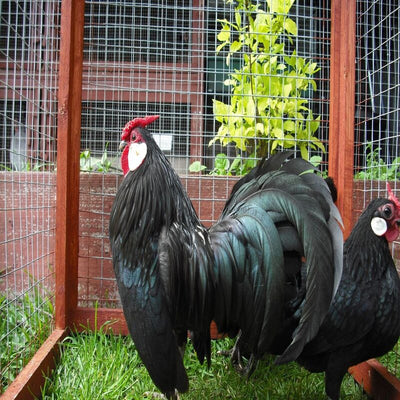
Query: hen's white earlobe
{"points": [[379, 226]]}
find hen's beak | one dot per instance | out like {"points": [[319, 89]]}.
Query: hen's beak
{"points": [[122, 145]]}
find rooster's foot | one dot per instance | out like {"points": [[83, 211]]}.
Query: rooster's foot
{"points": [[245, 369], [241, 364], [156, 395]]}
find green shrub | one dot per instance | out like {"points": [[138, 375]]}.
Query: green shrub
{"points": [[268, 108]]}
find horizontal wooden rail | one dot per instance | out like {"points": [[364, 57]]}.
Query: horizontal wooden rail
{"points": [[29, 381], [376, 380], [93, 319], [90, 318]]}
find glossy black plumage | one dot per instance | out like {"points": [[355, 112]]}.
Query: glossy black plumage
{"points": [[364, 319], [176, 276]]}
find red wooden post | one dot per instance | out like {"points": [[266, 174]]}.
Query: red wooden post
{"points": [[342, 104], [29, 381], [376, 380], [68, 149]]}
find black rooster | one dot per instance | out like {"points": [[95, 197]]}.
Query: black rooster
{"points": [[175, 276], [364, 318]]}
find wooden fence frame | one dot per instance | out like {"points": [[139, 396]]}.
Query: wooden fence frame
{"points": [[28, 383], [375, 379]]}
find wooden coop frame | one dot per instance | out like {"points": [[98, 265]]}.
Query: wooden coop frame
{"points": [[375, 379]]}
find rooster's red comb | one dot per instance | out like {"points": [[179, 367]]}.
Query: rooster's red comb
{"points": [[391, 196], [141, 122]]}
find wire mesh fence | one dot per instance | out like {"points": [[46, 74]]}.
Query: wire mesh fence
{"points": [[29, 39], [378, 89], [377, 157], [186, 61], [147, 57], [377, 119]]}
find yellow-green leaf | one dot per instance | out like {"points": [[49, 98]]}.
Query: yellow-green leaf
{"points": [[235, 46], [250, 108], [287, 89], [289, 126], [263, 103], [289, 142], [319, 144], [278, 133], [240, 142], [230, 82], [290, 26], [304, 151], [224, 34], [221, 110], [260, 127], [311, 68], [238, 18], [221, 46], [249, 132], [280, 6]]}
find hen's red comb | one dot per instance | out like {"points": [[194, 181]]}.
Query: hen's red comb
{"points": [[392, 196], [141, 122]]}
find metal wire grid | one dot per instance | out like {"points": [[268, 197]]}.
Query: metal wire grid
{"points": [[377, 120], [312, 42], [377, 92], [167, 65], [155, 57], [159, 57], [29, 45]]}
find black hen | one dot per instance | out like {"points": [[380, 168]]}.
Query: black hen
{"points": [[176, 276], [364, 318]]}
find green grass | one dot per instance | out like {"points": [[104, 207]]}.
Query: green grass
{"points": [[391, 360], [25, 323], [100, 366]]}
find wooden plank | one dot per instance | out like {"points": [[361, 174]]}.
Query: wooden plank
{"points": [[68, 150], [28, 383], [376, 380], [90, 318], [342, 104]]}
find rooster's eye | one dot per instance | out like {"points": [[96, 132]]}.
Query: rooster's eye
{"points": [[133, 138], [387, 212]]}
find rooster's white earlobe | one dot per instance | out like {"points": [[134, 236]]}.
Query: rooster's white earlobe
{"points": [[136, 155], [379, 226]]}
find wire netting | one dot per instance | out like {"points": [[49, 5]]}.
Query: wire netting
{"points": [[168, 57], [377, 119], [377, 93], [160, 57], [29, 43]]}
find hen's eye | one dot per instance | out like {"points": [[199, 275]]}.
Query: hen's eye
{"points": [[387, 212]]}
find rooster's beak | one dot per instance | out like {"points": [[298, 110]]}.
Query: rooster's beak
{"points": [[122, 145]]}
